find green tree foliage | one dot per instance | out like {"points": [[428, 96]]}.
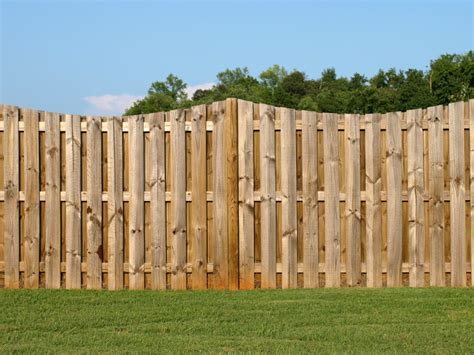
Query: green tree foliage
{"points": [[449, 78]]}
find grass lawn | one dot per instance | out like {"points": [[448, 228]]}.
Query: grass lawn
{"points": [[324, 320]]}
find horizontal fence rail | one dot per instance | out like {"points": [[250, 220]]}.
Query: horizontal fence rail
{"points": [[237, 195]]}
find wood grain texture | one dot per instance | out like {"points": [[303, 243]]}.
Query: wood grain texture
{"points": [[471, 138], [94, 203], [11, 237], [415, 198], [232, 186], [310, 200], [137, 207], [373, 182], [246, 195], [457, 189], [268, 195], [353, 214], [394, 200], [331, 190], [436, 191], [157, 201], [73, 202], [115, 203], [32, 209], [198, 227], [178, 198], [288, 203], [52, 214]]}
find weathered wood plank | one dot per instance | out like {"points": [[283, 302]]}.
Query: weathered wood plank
{"points": [[52, 214], [288, 189], [394, 200], [436, 191], [32, 216], [178, 198], [246, 194], [373, 184], [309, 136], [73, 201], [137, 206], [471, 138], [332, 213], [353, 213], [457, 188], [267, 190], [11, 154], [231, 146], [415, 198], [115, 203], [94, 203], [157, 201], [198, 206]]}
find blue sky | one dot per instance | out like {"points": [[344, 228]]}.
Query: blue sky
{"points": [[95, 57]]}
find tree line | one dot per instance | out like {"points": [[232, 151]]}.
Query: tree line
{"points": [[449, 78]]}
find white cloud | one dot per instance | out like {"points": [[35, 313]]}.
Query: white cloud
{"points": [[111, 104], [190, 90]]}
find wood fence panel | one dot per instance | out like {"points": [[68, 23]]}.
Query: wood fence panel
{"points": [[331, 194], [457, 194], [11, 154], [115, 203], [373, 200], [158, 201], [53, 202], [436, 198], [94, 203], [394, 200], [199, 194], [353, 213], [471, 142], [178, 198], [268, 196], [73, 201], [288, 189], [310, 200], [246, 195], [32, 203]]}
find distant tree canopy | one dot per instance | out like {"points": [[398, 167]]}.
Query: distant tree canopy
{"points": [[450, 78]]}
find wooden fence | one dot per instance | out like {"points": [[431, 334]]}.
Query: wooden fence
{"points": [[237, 195]]}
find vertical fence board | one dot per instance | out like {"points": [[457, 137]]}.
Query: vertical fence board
{"points": [[373, 184], [198, 207], [471, 139], [457, 189], [394, 200], [221, 252], [11, 177], [94, 203], [32, 231], [178, 198], [415, 198], [288, 189], [137, 207], [268, 195], [331, 193], [309, 136], [353, 213], [73, 201], [232, 185], [246, 198], [436, 198], [157, 201], [115, 202], [53, 202]]}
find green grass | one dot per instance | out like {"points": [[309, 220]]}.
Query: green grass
{"points": [[343, 320]]}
